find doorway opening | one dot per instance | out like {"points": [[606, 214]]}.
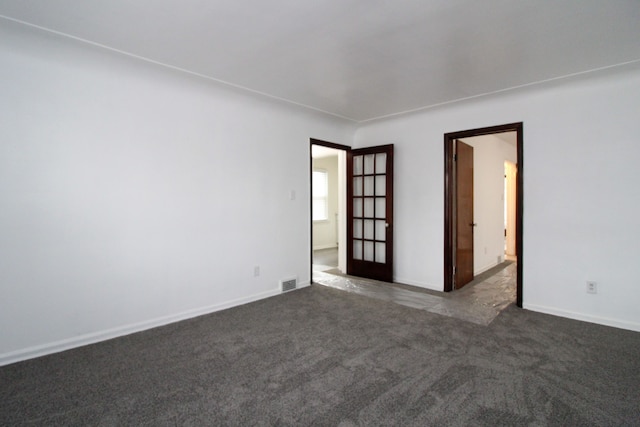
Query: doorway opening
{"points": [[460, 223], [328, 209], [352, 209]]}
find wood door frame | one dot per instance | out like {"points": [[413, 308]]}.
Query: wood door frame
{"points": [[449, 181], [312, 142]]}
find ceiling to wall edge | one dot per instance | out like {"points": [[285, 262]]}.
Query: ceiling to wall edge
{"points": [[179, 69], [309, 107], [569, 77]]}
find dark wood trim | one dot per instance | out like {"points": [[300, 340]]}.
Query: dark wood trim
{"points": [[349, 230], [511, 127], [449, 139], [312, 142], [448, 213], [519, 212], [328, 144], [390, 197]]}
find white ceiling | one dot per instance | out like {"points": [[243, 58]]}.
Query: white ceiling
{"points": [[358, 59]]}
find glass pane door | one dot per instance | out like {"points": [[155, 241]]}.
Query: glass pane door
{"points": [[370, 192]]}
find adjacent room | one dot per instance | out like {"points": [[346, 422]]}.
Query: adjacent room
{"points": [[328, 213]]}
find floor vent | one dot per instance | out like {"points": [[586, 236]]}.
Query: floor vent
{"points": [[289, 284]]}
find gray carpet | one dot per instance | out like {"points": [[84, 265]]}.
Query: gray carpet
{"points": [[319, 356]]}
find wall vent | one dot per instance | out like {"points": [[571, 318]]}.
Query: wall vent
{"points": [[289, 284]]}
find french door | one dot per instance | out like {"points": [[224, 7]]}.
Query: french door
{"points": [[370, 212]]}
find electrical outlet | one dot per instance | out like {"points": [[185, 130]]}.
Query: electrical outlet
{"points": [[592, 288], [256, 271]]}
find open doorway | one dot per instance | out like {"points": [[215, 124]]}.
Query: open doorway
{"points": [[328, 210], [491, 201], [362, 217], [464, 228]]}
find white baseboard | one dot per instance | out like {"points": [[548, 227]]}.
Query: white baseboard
{"points": [[320, 247], [92, 338], [486, 268], [303, 285], [616, 323]]}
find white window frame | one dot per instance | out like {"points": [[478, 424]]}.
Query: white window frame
{"points": [[320, 185]]}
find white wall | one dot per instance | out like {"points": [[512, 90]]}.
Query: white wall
{"points": [[581, 156], [132, 195], [489, 154], [325, 233]]}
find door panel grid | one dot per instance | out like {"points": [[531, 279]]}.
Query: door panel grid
{"points": [[369, 198]]}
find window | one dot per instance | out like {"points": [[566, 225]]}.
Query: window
{"points": [[320, 190]]}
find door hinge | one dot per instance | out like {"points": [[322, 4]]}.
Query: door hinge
{"points": [[455, 157], [453, 278]]}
